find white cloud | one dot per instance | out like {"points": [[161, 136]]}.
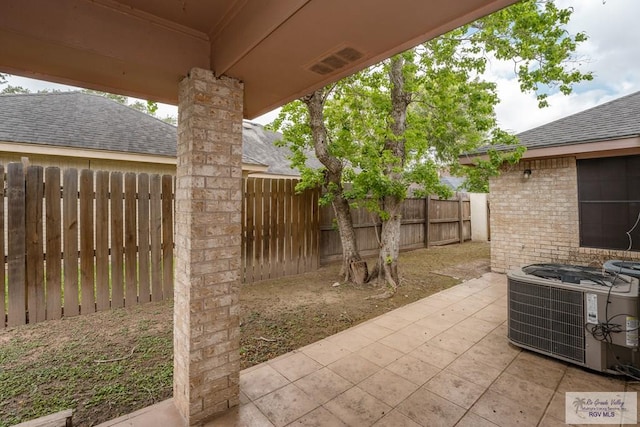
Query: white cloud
{"points": [[613, 55]]}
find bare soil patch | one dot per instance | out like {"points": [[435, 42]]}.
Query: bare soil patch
{"points": [[56, 365]]}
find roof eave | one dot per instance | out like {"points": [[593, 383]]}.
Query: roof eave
{"points": [[601, 148]]}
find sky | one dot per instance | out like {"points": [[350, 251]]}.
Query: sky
{"points": [[612, 53]]}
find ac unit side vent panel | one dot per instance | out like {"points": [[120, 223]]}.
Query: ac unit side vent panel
{"points": [[548, 319]]}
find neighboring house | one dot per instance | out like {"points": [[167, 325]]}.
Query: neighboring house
{"points": [[575, 195], [86, 131], [453, 182]]}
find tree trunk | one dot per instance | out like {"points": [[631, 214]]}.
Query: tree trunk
{"points": [[352, 264], [387, 266], [352, 269], [390, 235]]}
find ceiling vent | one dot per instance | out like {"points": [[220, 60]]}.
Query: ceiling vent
{"points": [[336, 61]]}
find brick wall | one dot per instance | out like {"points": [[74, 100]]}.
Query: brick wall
{"points": [[208, 238], [536, 220]]}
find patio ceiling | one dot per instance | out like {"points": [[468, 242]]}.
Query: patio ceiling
{"points": [[280, 49]]}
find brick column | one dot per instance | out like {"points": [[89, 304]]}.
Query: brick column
{"points": [[208, 232]]}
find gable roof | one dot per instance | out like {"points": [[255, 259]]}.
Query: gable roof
{"points": [[258, 144], [613, 120], [87, 121]]}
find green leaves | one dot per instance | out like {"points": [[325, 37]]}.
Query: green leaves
{"points": [[532, 35], [390, 132]]}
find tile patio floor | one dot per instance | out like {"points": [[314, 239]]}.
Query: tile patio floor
{"points": [[441, 361]]}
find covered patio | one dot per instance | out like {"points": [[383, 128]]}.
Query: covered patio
{"points": [[442, 361]]}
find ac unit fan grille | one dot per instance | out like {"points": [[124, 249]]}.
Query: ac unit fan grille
{"points": [[547, 318]]}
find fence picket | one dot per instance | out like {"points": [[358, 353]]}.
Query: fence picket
{"points": [[126, 237], [288, 209], [130, 249], [102, 241], [16, 246], [167, 236], [36, 304], [243, 236], [296, 230], [266, 228], [259, 254], [144, 288], [249, 230], [117, 242], [87, 256], [70, 227], [155, 228], [3, 306], [315, 229], [307, 215], [281, 271], [53, 257]]}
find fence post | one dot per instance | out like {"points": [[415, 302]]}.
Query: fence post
{"points": [[488, 219], [426, 220], [460, 218]]}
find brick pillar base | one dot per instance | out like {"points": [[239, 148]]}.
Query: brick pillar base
{"points": [[208, 231]]}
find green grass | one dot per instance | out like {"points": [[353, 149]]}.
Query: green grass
{"points": [[53, 366]]}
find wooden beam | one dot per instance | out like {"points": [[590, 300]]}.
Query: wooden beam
{"points": [[85, 43], [59, 419]]}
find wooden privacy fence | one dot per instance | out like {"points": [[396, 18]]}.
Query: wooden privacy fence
{"points": [[279, 229], [79, 242], [425, 222], [449, 220], [100, 240]]}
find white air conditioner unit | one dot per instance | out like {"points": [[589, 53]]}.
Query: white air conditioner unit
{"points": [[562, 312]]}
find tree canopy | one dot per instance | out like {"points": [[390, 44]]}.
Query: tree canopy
{"points": [[392, 127]]}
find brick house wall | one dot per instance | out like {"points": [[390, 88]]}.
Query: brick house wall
{"points": [[536, 220]]}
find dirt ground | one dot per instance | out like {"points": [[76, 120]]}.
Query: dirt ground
{"points": [[108, 364], [278, 316]]}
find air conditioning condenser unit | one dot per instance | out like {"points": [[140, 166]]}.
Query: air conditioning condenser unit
{"points": [[577, 314]]}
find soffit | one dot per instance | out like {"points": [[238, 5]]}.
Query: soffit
{"points": [[144, 48]]}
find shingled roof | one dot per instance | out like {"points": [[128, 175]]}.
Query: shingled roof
{"points": [[617, 119], [88, 121], [81, 120]]}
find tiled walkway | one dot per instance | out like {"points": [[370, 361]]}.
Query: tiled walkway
{"points": [[441, 361]]}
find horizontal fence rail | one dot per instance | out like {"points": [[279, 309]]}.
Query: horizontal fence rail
{"points": [[76, 242], [83, 241], [426, 222]]}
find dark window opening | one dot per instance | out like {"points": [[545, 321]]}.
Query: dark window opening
{"points": [[609, 202]]}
